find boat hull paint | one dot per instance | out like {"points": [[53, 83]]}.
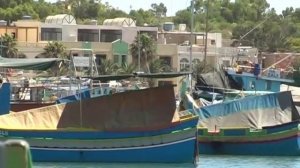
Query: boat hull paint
{"points": [[283, 147], [178, 151], [94, 134], [280, 140]]}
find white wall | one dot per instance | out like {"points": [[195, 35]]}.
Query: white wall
{"points": [[69, 33]]}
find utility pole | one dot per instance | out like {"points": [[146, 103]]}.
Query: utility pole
{"points": [[206, 31], [191, 44], [1, 51], [191, 36], [139, 51]]}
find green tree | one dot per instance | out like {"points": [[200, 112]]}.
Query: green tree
{"points": [[9, 46], [44, 9], [147, 48], [158, 65], [200, 68], [55, 50], [143, 17], [107, 67], [127, 68], [160, 10]]}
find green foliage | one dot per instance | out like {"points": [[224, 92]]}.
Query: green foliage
{"points": [[143, 17], [296, 73], [157, 65], [160, 10], [8, 48], [55, 50], [107, 67], [233, 19], [127, 68], [145, 45], [200, 68]]}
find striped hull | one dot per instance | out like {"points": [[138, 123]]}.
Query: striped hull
{"points": [[283, 140], [177, 146], [177, 151]]}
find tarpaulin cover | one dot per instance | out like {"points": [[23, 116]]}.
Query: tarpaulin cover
{"points": [[146, 109], [28, 64], [250, 112], [4, 98]]}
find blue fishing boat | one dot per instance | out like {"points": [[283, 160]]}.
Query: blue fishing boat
{"points": [[132, 126], [256, 125]]}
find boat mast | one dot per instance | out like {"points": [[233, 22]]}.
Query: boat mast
{"points": [[191, 43], [206, 33]]}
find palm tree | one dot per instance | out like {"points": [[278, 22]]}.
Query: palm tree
{"points": [[8, 48], [201, 67], [54, 50], [127, 68], [145, 45], [157, 65], [107, 67]]}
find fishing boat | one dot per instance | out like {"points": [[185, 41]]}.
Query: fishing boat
{"points": [[132, 126], [256, 125]]}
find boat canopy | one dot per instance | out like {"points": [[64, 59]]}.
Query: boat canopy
{"points": [[28, 64], [253, 112], [140, 75], [155, 109]]}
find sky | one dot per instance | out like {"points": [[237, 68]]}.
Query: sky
{"points": [[174, 5]]}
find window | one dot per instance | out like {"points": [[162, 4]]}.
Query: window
{"points": [[124, 59], [152, 34], [226, 63], [184, 64], [110, 35], [116, 59], [166, 61], [268, 85], [88, 35], [252, 85], [213, 42], [13, 34], [164, 83], [99, 58], [195, 62], [51, 34]]}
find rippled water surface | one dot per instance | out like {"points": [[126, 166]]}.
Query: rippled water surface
{"points": [[205, 161]]}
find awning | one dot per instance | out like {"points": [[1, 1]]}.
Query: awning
{"points": [[140, 75], [28, 64], [162, 75]]}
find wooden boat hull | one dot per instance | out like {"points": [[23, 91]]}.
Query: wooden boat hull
{"points": [[173, 152], [176, 146], [173, 144], [281, 140]]}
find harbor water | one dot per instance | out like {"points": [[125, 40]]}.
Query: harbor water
{"points": [[205, 161]]}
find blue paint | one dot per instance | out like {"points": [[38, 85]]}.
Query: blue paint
{"points": [[4, 98], [250, 82], [282, 127], [268, 101], [174, 153], [284, 147], [234, 132], [97, 134], [76, 97]]}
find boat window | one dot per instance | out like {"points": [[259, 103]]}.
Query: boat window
{"points": [[252, 85], [268, 85], [184, 64]]}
